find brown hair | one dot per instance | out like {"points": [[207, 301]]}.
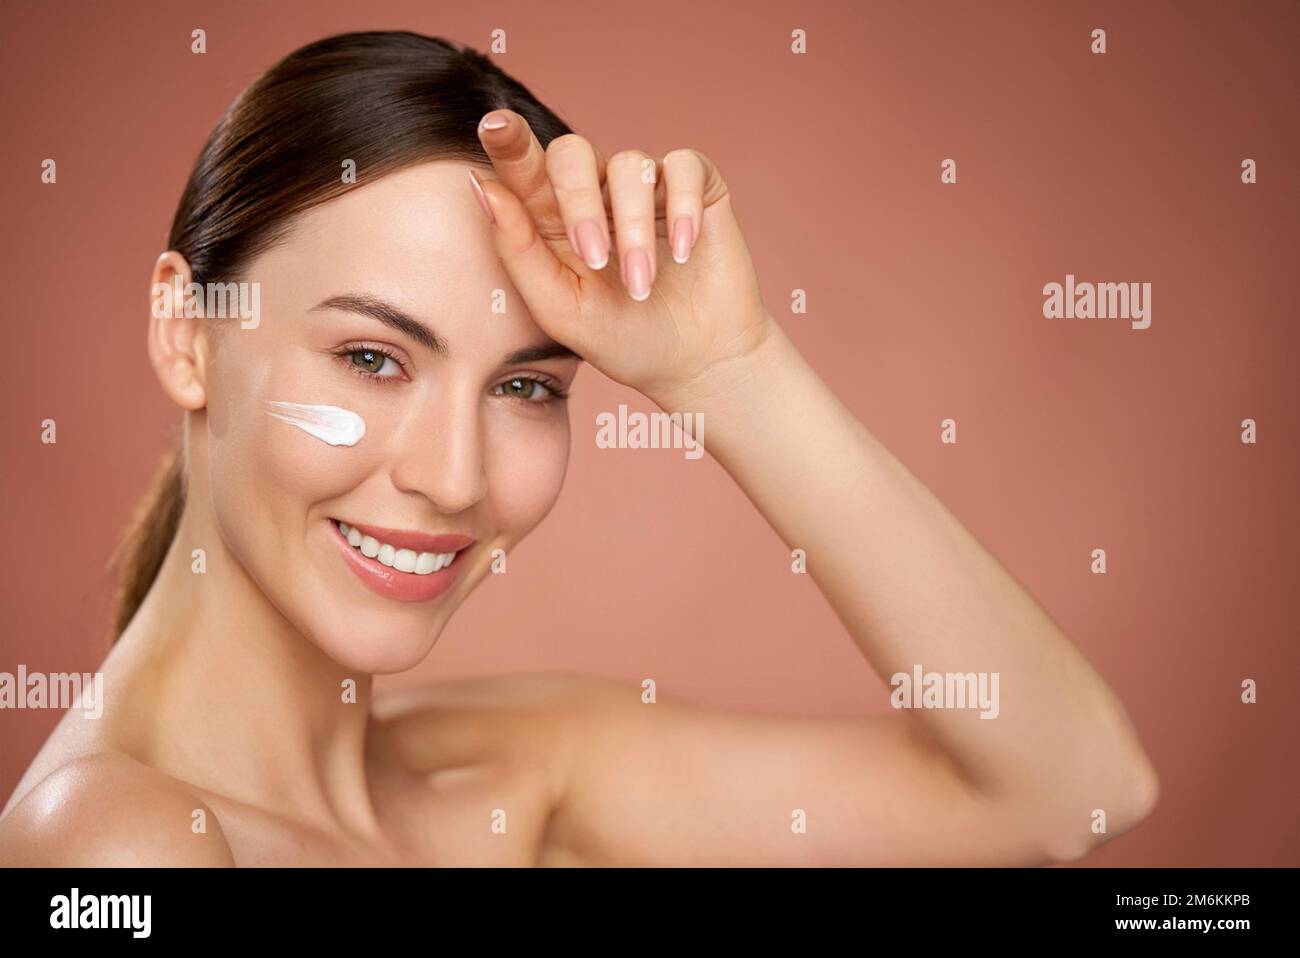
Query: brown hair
{"points": [[384, 100]]}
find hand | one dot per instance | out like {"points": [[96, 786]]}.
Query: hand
{"points": [[644, 319]]}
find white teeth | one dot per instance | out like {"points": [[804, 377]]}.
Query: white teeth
{"points": [[403, 560]]}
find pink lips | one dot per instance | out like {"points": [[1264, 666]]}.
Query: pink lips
{"points": [[390, 583]]}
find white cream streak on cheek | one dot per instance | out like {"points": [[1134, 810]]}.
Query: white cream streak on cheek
{"points": [[338, 427]]}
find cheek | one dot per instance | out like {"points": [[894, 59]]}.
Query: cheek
{"points": [[266, 473], [525, 459]]}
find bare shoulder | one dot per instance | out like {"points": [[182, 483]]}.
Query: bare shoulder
{"points": [[108, 809]]}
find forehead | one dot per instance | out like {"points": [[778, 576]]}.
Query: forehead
{"points": [[415, 237]]}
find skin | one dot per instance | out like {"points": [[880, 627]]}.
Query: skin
{"points": [[224, 693]]}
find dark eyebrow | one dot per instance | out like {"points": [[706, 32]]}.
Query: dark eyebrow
{"points": [[540, 353], [391, 316]]}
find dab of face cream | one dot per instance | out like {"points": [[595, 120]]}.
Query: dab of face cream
{"points": [[338, 427]]}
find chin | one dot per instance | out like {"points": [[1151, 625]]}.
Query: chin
{"points": [[374, 644]]}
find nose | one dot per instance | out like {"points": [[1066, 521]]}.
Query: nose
{"points": [[438, 452]]}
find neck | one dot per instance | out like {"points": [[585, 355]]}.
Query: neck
{"points": [[223, 692]]}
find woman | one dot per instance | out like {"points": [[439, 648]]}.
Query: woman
{"points": [[358, 455]]}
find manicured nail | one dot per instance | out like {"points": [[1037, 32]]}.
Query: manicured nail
{"points": [[683, 238], [636, 274], [494, 121], [481, 197], [593, 244]]}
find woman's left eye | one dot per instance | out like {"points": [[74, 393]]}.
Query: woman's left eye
{"points": [[374, 363], [527, 389]]}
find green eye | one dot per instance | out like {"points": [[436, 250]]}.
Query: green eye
{"points": [[369, 360], [521, 388], [530, 390]]}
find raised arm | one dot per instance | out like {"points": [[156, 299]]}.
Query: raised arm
{"points": [[912, 586], [915, 588]]}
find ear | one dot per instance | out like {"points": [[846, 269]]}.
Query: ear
{"points": [[177, 341]]}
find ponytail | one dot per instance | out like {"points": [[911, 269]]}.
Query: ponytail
{"points": [[141, 552]]}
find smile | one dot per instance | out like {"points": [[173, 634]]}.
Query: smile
{"points": [[399, 564], [403, 560]]}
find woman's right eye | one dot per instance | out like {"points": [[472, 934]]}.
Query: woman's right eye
{"points": [[372, 362]]}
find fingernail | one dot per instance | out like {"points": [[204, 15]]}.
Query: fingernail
{"points": [[636, 274], [683, 238], [593, 244], [494, 121], [481, 197]]}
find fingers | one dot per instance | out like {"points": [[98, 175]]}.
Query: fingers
{"points": [[686, 174], [576, 171], [569, 190], [632, 177]]}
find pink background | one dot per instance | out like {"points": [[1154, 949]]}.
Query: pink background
{"points": [[924, 303]]}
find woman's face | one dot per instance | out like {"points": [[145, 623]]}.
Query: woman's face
{"points": [[388, 302]]}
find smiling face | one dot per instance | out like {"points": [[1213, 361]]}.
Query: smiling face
{"points": [[379, 304]]}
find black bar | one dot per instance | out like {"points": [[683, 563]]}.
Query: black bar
{"points": [[871, 907]]}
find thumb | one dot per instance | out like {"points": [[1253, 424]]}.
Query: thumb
{"points": [[549, 288]]}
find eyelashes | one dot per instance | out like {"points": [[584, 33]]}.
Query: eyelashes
{"points": [[383, 365], [551, 387], [361, 358]]}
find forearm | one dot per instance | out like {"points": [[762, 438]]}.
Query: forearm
{"points": [[914, 587]]}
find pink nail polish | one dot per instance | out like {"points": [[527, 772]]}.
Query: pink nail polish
{"points": [[494, 121], [636, 274], [482, 198], [593, 243], [683, 238]]}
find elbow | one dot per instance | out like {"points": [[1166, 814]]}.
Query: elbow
{"points": [[1130, 806], [1147, 794]]}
